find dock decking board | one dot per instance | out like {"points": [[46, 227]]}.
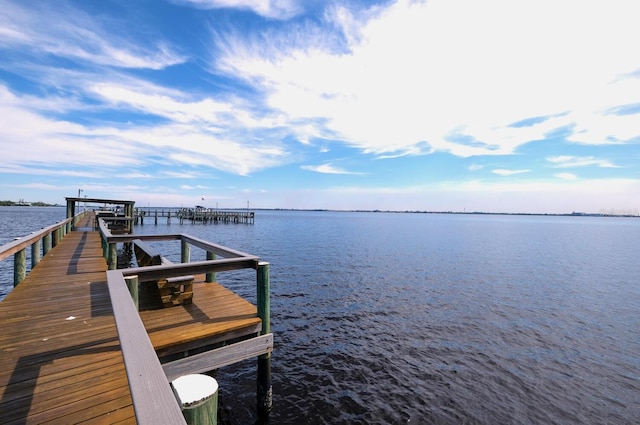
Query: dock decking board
{"points": [[60, 358]]}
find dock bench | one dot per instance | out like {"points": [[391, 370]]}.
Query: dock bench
{"points": [[174, 290]]}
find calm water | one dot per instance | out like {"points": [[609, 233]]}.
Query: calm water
{"points": [[439, 319]]}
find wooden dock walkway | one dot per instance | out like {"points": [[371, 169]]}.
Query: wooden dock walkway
{"points": [[61, 359]]}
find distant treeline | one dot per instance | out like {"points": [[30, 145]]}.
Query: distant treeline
{"points": [[32, 204]]}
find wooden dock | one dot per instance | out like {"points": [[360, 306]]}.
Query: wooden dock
{"points": [[194, 215], [61, 355], [61, 359]]}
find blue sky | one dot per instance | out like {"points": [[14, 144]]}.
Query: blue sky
{"points": [[441, 105]]}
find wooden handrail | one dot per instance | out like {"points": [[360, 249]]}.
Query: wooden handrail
{"points": [[195, 267], [11, 248], [153, 399], [18, 247], [207, 246]]}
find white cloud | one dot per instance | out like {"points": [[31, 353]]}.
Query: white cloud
{"points": [[569, 161], [190, 138], [327, 169], [420, 72], [50, 142], [162, 102], [192, 145], [566, 176], [72, 34], [276, 9], [504, 172]]}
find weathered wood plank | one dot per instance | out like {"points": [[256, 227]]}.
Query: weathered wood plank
{"points": [[224, 356]]}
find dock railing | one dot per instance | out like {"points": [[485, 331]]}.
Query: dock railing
{"points": [[144, 370], [40, 241]]}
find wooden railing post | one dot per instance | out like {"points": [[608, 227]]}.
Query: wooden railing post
{"points": [[35, 252], [113, 256], [211, 276], [54, 238], [184, 252], [46, 244], [105, 247], [19, 266], [264, 390], [132, 284]]}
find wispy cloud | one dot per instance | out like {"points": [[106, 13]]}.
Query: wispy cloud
{"points": [[568, 161], [203, 132], [327, 169], [276, 9], [505, 172], [65, 32], [630, 109], [566, 176]]}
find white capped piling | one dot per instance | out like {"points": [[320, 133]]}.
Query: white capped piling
{"points": [[198, 398]]}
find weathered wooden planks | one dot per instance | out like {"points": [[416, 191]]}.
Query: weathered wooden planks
{"points": [[61, 359], [216, 314]]}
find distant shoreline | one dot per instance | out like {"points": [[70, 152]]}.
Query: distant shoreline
{"points": [[27, 204], [571, 214]]}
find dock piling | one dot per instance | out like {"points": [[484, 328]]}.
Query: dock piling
{"points": [[113, 256], [19, 266], [198, 398], [264, 387], [36, 249], [210, 276], [46, 244], [185, 252]]}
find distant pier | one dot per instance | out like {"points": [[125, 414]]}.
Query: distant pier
{"points": [[193, 215]]}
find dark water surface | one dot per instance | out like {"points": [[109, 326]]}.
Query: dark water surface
{"points": [[439, 319]]}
